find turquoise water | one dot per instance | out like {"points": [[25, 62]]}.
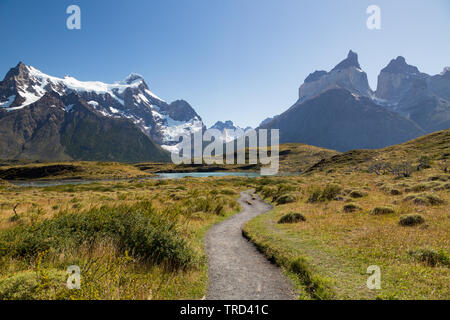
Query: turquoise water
{"points": [[176, 175], [166, 175]]}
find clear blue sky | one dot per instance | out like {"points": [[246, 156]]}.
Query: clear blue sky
{"points": [[241, 60]]}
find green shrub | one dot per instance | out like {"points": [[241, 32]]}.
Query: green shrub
{"points": [[292, 218], [357, 194], [433, 199], [419, 187], [424, 163], [330, 192], [207, 204], [28, 285], [438, 178], [288, 198], [226, 191], [382, 210], [351, 207], [425, 199], [395, 192], [139, 229], [431, 257], [316, 194], [411, 220]]}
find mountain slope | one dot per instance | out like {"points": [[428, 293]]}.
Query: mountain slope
{"points": [[338, 110], [130, 99], [66, 128], [436, 146], [339, 120]]}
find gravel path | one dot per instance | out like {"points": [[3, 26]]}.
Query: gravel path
{"points": [[236, 269]]}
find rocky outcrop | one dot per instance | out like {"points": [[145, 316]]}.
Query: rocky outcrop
{"points": [[397, 79], [346, 75]]}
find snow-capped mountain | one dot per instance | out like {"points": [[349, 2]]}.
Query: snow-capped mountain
{"points": [[229, 131], [129, 99]]}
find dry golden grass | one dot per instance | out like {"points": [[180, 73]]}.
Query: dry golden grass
{"points": [[137, 280], [341, 245]]}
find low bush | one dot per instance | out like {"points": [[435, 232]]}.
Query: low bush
{"points": [[357, 194], [425, 199], [226, 191], [431, 257], [395, 192], [316, 194], [138, 229], [351, 207], [292, 218], [411, 219], [382, 210], [287, 198]]}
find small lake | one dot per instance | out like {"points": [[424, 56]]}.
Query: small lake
{"points": [[165, 175], [178, 175]]}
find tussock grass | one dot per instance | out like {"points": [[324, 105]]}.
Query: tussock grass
{"points": [[351, 207], [284, 199], [382, 210], [292, 218], [318, 194], [411, 219], [132, 239], [431, 257]]}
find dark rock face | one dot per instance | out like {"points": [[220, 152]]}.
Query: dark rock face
{"points": [[397, 79], [180, 110], [419, 97], [66, 128], [350, 61], [399, 65], [440, 84], [266, 120], [338, 120]]}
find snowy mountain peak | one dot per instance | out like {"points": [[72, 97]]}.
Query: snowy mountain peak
{"points": [[130, 99], [227, 125], [229, 131], [132, 78]]}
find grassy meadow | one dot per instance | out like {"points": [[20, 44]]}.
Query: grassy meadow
{"points": [[132, 239], [390, 209], [140, 238]]}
